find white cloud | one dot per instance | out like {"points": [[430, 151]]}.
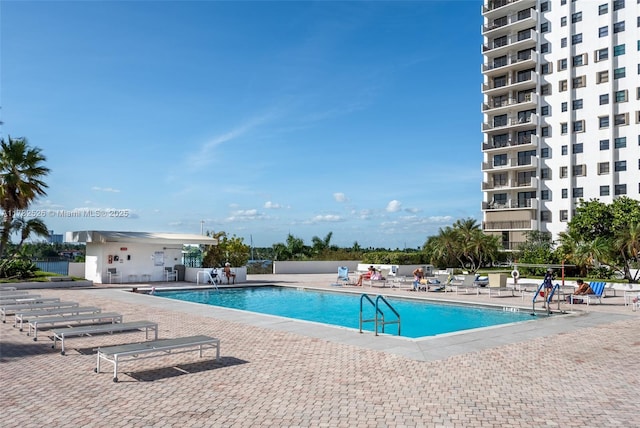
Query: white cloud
{"points": [[105, 189], [340, 197], [412, 210], [246, 215], [394, 206], [272, 205], [327, 218]]}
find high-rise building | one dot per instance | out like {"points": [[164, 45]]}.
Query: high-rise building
{"points": [[561, 111]]}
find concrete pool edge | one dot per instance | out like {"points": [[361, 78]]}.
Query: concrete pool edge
{"points": [[423, 349]]}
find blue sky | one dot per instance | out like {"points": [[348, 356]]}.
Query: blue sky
{"points": [[259, 119]]}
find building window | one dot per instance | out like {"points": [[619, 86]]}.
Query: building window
{"points": [[619, 50], [563, 21], [545, 215], [602, 76], [621, 119], [544, 110], [579, 82], [620, 142], [620, 189], [603, 8], [578, 126], [544, 152], [577, 38], [577, 192], [621, 96], [562, 64], [545, 89], [578, 148], [603, 121], [563, 128], [544, 6], [564, 150], [563, 172], [604, 190], [563, 106], [602, 54], [544, 27], [603, 168], [576, 17], [618, 27], [604, 99], [604, 144], [544, 48], [524, 34], [603, 31], [562, 85], [618, 4], [563, 42], [545, 68], [565, 193], [545, 131], [564, 215], [619, 73], [500, 160], [576, 104], [579, 170], [620, 166], [545, 173], [579, 60]]}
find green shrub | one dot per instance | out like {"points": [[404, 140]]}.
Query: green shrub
{"points": [[17, 269]]}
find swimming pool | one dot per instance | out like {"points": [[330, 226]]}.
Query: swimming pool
{"points": [[418, 318]]}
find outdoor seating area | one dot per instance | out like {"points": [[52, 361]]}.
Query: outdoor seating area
{"points": [[68, 319]]}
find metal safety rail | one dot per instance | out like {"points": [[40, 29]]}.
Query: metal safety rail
{"points": [[379, 318], [548, 299]]}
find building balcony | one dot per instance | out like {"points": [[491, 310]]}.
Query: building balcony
{"points": [[512, 122], [509, 225], [532, 183], [513, 83], [496, 8], [528, 142], [512, 42], [526, 102], [511, 163], [511, 204], [513, 62], [516, 21]]}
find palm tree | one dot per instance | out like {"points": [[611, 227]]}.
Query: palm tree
{"points": [[28, 227], [627, 241], [21, 174]]}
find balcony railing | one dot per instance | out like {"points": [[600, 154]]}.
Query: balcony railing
{"points": [[511, 39], [501, 103], [512, 18], [512, 142], [510, 205], [511, 60], [513, 162], [532, 119], [497, 4], [512, 82], [510, 184], [507, 225]]}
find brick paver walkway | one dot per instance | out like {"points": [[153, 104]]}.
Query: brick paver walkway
{"points": [[584, 378]]}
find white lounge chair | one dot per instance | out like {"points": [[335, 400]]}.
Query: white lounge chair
{"points": [[467, 283]]}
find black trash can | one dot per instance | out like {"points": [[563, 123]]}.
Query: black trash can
{"points": [[180, 271]]}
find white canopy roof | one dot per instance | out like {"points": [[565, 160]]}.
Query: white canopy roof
{"points": [[102, 236]]}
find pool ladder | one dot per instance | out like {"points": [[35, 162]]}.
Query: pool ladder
{"points": [[547, 300], [379, 318]]}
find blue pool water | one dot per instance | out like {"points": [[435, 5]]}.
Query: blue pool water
{"points": [[418, 319]]}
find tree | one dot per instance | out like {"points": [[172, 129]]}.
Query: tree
{"points": [[26, 228], [21, 181], [601, 234], [232, 250]]}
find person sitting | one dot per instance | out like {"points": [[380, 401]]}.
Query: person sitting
{"points": [[214, 276], [228, 273], [367, 275], [583, 289], [418, 276]]}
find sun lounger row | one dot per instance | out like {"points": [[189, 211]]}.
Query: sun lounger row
{"points": [[69, 319]]}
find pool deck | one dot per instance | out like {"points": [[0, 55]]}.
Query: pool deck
{"points": [[567, 370]]}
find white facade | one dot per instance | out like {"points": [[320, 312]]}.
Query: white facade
{"points": [[561, 111], [135, 256]]}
